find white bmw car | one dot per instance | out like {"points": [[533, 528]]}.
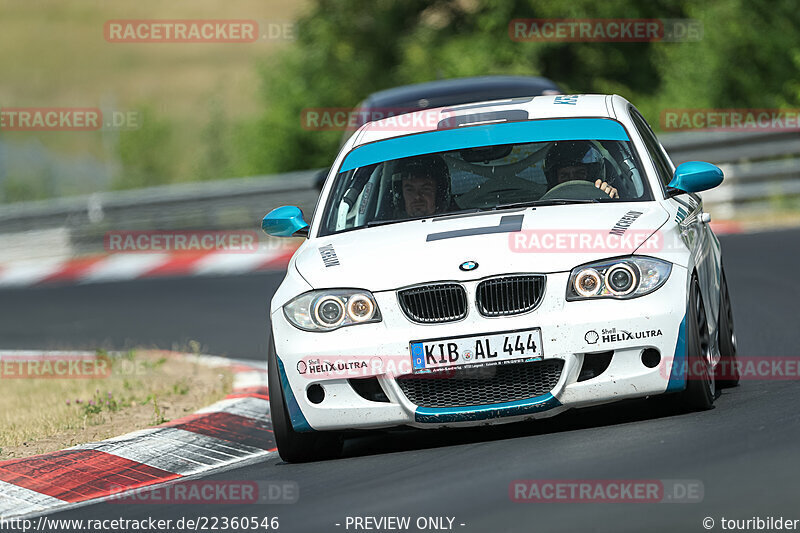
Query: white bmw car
{"points": [[502, 262]]}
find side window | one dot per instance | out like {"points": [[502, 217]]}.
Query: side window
{"points": [[653, 148]]}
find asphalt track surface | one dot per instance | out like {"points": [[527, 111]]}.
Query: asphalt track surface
{"points": [[744, 451]]}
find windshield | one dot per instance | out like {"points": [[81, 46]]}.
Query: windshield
{"points": [[484, 178]]}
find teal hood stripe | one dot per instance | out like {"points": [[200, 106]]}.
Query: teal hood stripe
{"points": [[485, 412]]}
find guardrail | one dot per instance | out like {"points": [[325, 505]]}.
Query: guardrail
{"points": [[760, 169], [228, 204]]}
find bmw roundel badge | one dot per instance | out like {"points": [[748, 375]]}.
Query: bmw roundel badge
{"points": [[466, 266]]}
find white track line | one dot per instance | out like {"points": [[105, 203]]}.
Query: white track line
{"points": [[228, 263], [28, 272], [178, 451], [17, 500], [122, 266], [256, 408]]}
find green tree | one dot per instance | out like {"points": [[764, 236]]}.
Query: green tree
{"points": [[346, 49]]}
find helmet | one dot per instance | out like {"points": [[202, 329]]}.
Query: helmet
{"points": [[570, 154], [426, 166]]}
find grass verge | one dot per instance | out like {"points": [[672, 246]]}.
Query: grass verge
{"points": [[41, 413]]}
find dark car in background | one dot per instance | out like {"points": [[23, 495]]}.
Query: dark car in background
{"points": [[441, 93]]}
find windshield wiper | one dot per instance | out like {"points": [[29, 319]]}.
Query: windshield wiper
{"points": [[397, 220], [534, 203], [373, 223], [437, 215]]}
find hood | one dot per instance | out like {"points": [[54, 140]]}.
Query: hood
{"points": [[542, 240]]}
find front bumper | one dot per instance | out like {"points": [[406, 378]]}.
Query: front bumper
{"points": [[653, 321]]}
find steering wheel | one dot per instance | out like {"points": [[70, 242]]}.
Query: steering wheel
{"points": [[575, 190]]}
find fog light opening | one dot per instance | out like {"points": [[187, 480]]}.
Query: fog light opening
{"points": [[315, 393], [594, 364], [651, 357], [369, 389]]}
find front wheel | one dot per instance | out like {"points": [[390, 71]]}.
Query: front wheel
{"points": [[293, 446], [700, 385]]}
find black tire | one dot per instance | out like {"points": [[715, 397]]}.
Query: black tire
{"points": [[728, 373], [700, 385], [295, 447]]}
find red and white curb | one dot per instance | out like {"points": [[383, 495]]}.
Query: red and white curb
{"points": [[232, 432], [130, 266]]}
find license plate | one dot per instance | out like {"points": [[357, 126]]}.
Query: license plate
{"points": [[476, 350]]}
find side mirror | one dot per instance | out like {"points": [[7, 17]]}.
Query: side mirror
{"points": [[694, 176], [285, 221]]}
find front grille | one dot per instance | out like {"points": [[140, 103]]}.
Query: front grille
{"points": [[443, 302], [463, 388], [509, 295]]}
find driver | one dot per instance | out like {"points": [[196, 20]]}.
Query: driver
{"points": [[425, 185], [576, 160]]}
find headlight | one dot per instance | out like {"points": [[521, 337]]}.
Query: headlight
{"points": [[587, 282], [327, 310], [618, 278]]}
